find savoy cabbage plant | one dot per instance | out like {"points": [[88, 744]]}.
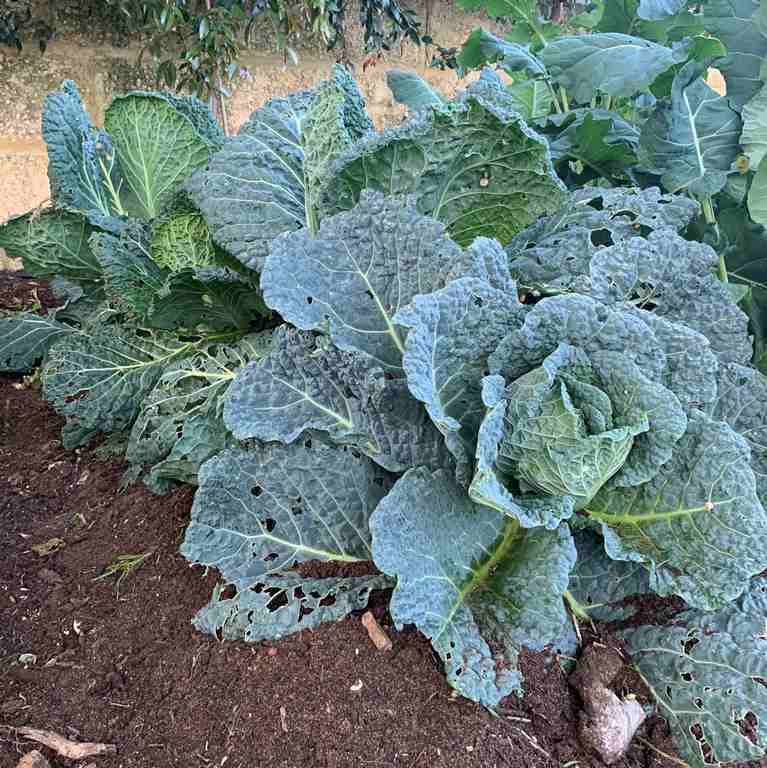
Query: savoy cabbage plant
{"points": [[425, 347]]}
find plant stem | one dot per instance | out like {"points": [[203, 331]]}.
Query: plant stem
{"points": [[710, 216], [578, 610], [652, 517], [563, 96], [608, 101], [554, 98]]}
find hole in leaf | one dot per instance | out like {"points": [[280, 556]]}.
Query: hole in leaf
{"points": [[328, 600], [298, 593], [228, 592], [309, 300], [369, 294], [308, 442], [698, 702], [601, 237], [280, 600], [477, 301], [270, 557], [690, 643], [748, 727], [256, 491], [304, 610], [379, 481], [687, 676], [269, 524]]}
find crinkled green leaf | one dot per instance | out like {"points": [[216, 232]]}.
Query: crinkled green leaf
{"points": [[182, 241], [259, 512], [199, 115], [474, 582], [673, 278], [742, 403], [181, 421], [691, 141], [607, 62], [99, 379], [599, 583], [493, 487], [83, 171], [691, 364], [582, 419], [260, 184], [157, 146], [555, 252], [281, 605], [754, 135], [733, 22], [25, 338], [473, 165], [707, 674], [452, 332], [698, 524], [306, 384], [581, 322], [757, 195], [52, 243], [413, 91], [355, 275], [482, 47]]}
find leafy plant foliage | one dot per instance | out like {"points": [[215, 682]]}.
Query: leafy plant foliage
{"points": [[496, 356]]}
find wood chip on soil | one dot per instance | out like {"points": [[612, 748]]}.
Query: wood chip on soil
{"points": [[72, 750]]}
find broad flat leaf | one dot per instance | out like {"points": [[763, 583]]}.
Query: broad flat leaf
{"points": [[556, 251], [157, 146], [525, 14], [673, 278], [259, 512], [612, 63], [306, 384], [698, 525], [355, 275], [258, 185], [757, 195], [452, 332], [754, 135], [99, 379], [707, 674], [599, 583], [569, 125], [742, 403], [413, 91], [592, 140], [181, 420], [743, 243], [654, 10], [493, 487], [52, 243], [733, 22], [25, 338], [532, 99], [691, 141], [471, 580], [482, 47], [473, 165], [281, 605], [82, 167]]}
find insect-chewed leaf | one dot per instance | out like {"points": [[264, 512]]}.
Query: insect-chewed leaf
{"points": [[99, 379], [25, 338], [284, 604], [707, 674], [471, 579], [259, 512], [180, 425], [698, 524]]}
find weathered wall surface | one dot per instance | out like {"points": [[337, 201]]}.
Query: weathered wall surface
{"points": [[101, 70]]}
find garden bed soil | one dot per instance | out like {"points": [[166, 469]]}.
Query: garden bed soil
{"points": [[126, 667]]}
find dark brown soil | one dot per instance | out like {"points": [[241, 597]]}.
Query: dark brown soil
{"points": [[127, 667]]}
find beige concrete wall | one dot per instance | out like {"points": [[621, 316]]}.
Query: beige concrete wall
{"points": [[100, 70]]}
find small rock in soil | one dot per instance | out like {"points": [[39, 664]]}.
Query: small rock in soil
{"points": [[608, 724], [33, 759]]}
